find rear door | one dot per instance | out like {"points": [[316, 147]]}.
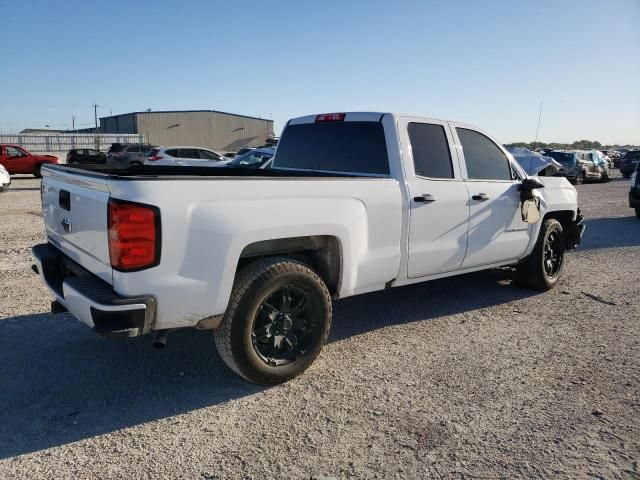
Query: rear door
{"points": [[496, 230], [439, 207], [75, 216]]}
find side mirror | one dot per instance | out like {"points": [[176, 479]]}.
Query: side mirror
{"points": [[529, 184]]}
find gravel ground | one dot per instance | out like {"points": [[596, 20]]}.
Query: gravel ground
{"points": [[468, 377]]}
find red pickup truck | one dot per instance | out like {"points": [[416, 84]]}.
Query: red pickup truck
{"points": [[17, 160]]}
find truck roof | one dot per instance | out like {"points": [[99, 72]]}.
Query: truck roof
{"points": [[358, 117]]}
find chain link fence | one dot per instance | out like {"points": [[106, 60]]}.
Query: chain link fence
{"points": [[63, 142]]}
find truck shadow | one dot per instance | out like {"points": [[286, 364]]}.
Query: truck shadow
{"points": [[61, 383], [425, 301]]}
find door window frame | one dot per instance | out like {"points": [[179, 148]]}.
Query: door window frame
{"points": [[463, 162], [408, 162]]}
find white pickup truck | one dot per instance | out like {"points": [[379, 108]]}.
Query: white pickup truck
{"points": [[356, 202]]}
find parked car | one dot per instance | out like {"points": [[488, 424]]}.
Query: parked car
{"points": [[190, 156], [85, 155], [355, 203], [257, 158], [128, 154], [17, 160], [634, 192], [580, 166], [629, 162], [534, 163], [5, 179]]}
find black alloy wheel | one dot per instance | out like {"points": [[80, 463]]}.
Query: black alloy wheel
{"points": [[553, 254], [283, 327]]}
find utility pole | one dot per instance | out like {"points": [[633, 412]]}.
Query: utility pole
{"points": [[73, 122], [95, 115]]}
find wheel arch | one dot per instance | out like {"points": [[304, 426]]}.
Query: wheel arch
{"points": [[323, 253], [566, 218]]}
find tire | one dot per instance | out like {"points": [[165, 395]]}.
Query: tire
{"points": [[135, 164], [257, 309], [638, 212], [579, 179], [37, 171], [533, 271], [605, 177], [626, 175]]}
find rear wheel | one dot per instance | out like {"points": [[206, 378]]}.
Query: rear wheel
{"points": [[579, 179], [37, 171], [277, 321], [135, 164], [541, 270], [638, 212]]}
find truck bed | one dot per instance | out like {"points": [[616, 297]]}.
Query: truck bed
{"points": [[170, 172]]}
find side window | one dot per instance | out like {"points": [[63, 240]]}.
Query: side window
{"points": [[206, 155], [172, 153], [14, 152], [189, 153], [431, 155], [485, 161]]}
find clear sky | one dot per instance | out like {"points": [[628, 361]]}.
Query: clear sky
{"points": [[488, 63]]}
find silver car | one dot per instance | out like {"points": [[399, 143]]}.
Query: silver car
{"points": [[128, 154], [187, 156]]}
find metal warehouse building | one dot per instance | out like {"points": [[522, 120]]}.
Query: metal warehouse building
{"points": [[220, 131]]}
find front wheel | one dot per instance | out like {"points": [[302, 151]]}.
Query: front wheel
{"points": [[605, 177], [541, 270], [638, 212], [277, 321]]}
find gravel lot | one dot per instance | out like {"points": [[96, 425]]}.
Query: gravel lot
{"points": [[469, 377]]}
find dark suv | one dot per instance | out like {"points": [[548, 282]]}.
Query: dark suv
{"points": [[85, 155], [629, 162]]}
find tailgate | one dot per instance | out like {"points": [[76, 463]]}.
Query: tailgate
{"points": [[75, 215]]}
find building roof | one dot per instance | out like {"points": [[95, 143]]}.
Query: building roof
{"points": [[187, 111]]}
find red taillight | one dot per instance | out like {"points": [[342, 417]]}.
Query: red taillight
{"points": [[134, 235], [155, 157], [330, 117]]}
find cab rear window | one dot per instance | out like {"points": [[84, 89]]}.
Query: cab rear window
{"points": [[350, 147]]}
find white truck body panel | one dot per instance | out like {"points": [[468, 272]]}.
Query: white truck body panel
{"points": [[85, 241], [189, 284]]}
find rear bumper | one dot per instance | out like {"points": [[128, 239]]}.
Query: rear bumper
{"points": [[90, 299]]}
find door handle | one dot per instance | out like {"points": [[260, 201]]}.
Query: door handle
{"points": [[481, 197], [425, 198]]}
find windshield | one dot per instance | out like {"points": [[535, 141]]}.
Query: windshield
{"points": [[562, 157], [252, 159]]}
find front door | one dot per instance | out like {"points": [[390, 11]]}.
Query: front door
{"points": [[17, 160], [439, 211], [496, 230]]}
